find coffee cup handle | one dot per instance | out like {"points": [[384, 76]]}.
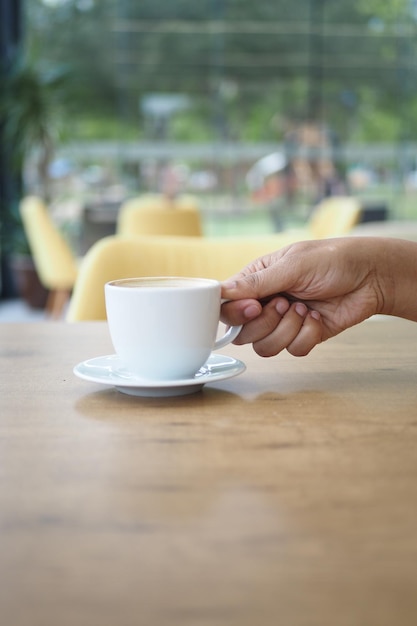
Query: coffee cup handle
{"points": [[229, 336]]}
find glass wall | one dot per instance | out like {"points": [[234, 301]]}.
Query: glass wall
{"points": [[258, 108]]}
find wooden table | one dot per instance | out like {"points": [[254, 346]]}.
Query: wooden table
{"points": [[285, 496]]}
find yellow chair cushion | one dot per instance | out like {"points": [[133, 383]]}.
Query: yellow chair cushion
{"points": [[53, 258]]}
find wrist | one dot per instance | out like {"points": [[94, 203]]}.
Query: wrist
{"points": [[396, 271]]}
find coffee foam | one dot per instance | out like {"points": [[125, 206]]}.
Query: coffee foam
{"points": [[164, 282]]}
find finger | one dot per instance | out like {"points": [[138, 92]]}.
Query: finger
{"points": [[265, 277], [265, 324], [247, 286], [239, 312], [310, 335], [284, 333]]}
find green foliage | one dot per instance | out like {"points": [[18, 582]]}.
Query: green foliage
{"points": [[190, 127], [388, 11], [373, 124], [98, 127], [31, 110], [305, 59]]}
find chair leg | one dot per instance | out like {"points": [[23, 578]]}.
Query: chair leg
{"points": [[57, 299]]}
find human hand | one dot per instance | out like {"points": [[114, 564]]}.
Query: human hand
{"points": [[305, 293]]}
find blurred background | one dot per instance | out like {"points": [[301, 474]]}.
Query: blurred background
{"points": [[259, 109]]}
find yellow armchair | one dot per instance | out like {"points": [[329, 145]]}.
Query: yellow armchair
{"points": [[332, 217], [55, 263], [158, 215]]}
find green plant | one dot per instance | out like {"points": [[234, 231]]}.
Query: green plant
{"points": [[32, 107], [32, 113]]}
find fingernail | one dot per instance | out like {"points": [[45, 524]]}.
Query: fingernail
{"points": [[301, 309], [251, 311], [315, 315], [282, 306]]}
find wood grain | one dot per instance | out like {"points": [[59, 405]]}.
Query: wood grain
{"points": [[285, 496]]}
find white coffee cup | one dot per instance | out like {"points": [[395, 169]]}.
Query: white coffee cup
{"points": [[164, 328]]}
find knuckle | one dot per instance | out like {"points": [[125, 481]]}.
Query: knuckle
{"points": [[300, 349], [297, 352], [239, 341], [265, 350], [253, 283]]}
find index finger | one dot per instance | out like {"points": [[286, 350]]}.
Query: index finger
{"points": [[258, 284], [236, 312]]}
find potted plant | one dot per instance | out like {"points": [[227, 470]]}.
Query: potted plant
{"points": [[31, 113]]}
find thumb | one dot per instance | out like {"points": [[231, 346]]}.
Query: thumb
{"points": [[256, 284]]}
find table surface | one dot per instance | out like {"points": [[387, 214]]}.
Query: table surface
{"points": [[287, 495]]}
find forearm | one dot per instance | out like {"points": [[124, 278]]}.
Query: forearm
{"points": [[396, 268]]}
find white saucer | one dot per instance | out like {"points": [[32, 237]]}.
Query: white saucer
{"points": [[108, 370]]}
